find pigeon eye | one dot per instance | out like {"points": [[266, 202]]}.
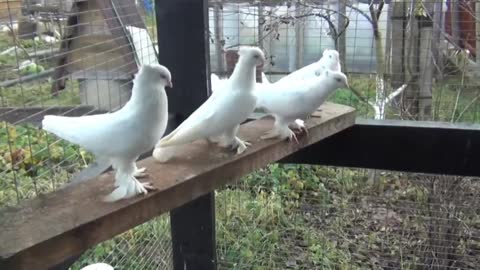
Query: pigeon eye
{"points": [[329, 56], [338, 80], [317, 73], [163, 76]]}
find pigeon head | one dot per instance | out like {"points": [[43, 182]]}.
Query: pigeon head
{"points": [[339, 79], [252, 55], [158, 74], [332, 55]]}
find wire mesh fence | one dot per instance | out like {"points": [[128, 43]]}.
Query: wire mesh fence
{"points": [[411, 60]]}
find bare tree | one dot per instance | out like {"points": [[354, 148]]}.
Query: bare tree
{"points": [[382, 98]]}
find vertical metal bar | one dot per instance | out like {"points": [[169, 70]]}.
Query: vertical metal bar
{"points": [[183, 47]]}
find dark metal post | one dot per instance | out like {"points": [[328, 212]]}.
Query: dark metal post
{"points": [[182, 27]]}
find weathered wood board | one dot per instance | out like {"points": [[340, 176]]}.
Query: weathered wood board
{"points": [[45, 231]]}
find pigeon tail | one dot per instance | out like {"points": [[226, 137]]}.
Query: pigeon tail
{"points": [[163, 154], [59, 125]]}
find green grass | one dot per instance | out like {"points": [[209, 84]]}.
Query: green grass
{"points": [[39, 94], [35, 93], [34, 162], [307, 217]]}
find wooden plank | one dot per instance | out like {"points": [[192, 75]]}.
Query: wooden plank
{"points": [[43, 232]]}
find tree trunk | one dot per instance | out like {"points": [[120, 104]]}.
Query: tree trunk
{"points": [[477, 30], [261, 23], [380, 66], [397, 57], [299, 36], [426, 64], [410, 102], [388, 41], [438, 46], [218, 28], [426, 73], [455, 21], [342, 40]]}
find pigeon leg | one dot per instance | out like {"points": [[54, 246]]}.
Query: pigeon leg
{"points": [[282, 133], [142, 188], [280, 130], [127, 186], [298, 125], [231, 140], [240, 145], [128, 189], [140, 173]]}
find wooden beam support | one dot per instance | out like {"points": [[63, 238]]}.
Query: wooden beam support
{"points": [[47, 230], [184, 49], [439, 148], [193, 234]]}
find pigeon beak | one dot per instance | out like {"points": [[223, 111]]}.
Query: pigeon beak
{"points": [[170, 84], [348, 86]]}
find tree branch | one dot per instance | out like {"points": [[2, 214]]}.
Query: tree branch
{"points": [[379, 10], [374, 21], [286, 19], [359, 11], [395, 93]]}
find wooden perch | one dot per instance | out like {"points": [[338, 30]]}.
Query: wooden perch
{"points": [[45, 231]]}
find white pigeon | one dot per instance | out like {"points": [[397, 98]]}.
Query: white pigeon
{"points": [[288, 102], [119, 138], [330, 61], [219, 84], [223, 112], [265, 79], [98, 266]]}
